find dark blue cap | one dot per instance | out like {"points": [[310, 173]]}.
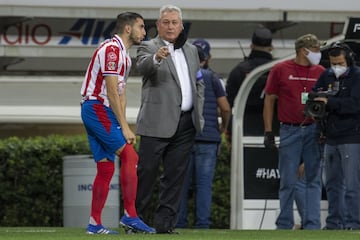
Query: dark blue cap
{"points": [[204, 45]]}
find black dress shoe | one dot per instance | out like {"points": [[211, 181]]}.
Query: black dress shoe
{"points": [[349, 228], [170, 231], [328, 228]]}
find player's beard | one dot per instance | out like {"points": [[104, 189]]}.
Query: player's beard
{"points": [[134, 39]]}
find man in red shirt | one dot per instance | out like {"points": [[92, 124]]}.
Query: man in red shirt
{"points": [[289, 83]]}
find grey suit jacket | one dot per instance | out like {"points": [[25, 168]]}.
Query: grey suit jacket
{"points": [[160, 108]]}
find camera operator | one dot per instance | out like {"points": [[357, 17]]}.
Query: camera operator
{"points": [[342, 131]]}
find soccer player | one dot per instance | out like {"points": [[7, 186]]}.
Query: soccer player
{"points": [[103, 115]]}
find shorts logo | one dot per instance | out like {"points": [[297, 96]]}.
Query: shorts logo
{"points": [[111, 66]]}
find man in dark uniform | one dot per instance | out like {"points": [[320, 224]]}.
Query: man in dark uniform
{"points": [[261, 47]]}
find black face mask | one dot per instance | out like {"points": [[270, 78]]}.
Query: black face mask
{"points": [[180, 41]]}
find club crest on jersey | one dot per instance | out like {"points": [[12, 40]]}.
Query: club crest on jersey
{"points": [[111, 66], [111, 56]]}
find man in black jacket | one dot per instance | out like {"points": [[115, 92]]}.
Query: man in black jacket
{"points": [[261, 47], [340, 87]]}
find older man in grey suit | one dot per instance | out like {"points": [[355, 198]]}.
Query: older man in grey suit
{"points": [[169, 116]]}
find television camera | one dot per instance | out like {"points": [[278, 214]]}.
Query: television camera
{"points": [[317, 109]]}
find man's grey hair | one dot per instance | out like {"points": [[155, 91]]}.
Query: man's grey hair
{"points": [[170, 8]]}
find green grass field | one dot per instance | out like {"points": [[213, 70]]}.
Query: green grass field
{"points": [[38, 233]]}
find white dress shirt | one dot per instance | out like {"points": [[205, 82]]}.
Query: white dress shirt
{"points": [[182, 70]]}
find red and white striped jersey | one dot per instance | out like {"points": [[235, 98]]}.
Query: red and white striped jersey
{"points": [[110, 58]]}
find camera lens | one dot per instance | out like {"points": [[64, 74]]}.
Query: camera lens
{"points": [[315, 109]]}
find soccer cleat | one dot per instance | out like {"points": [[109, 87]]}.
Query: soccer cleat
{"points": [[99, 229], [135, 225]]}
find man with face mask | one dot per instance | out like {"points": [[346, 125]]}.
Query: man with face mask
{"points": [[342, 131], [288, 83]]}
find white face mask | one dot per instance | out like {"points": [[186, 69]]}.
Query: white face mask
{"points": [[313, 57], [338, 70]]}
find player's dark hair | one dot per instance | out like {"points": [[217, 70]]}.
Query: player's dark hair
{"points": [[126, 18]]}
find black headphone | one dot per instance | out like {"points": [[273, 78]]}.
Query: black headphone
{"points": [[337, 48]]}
